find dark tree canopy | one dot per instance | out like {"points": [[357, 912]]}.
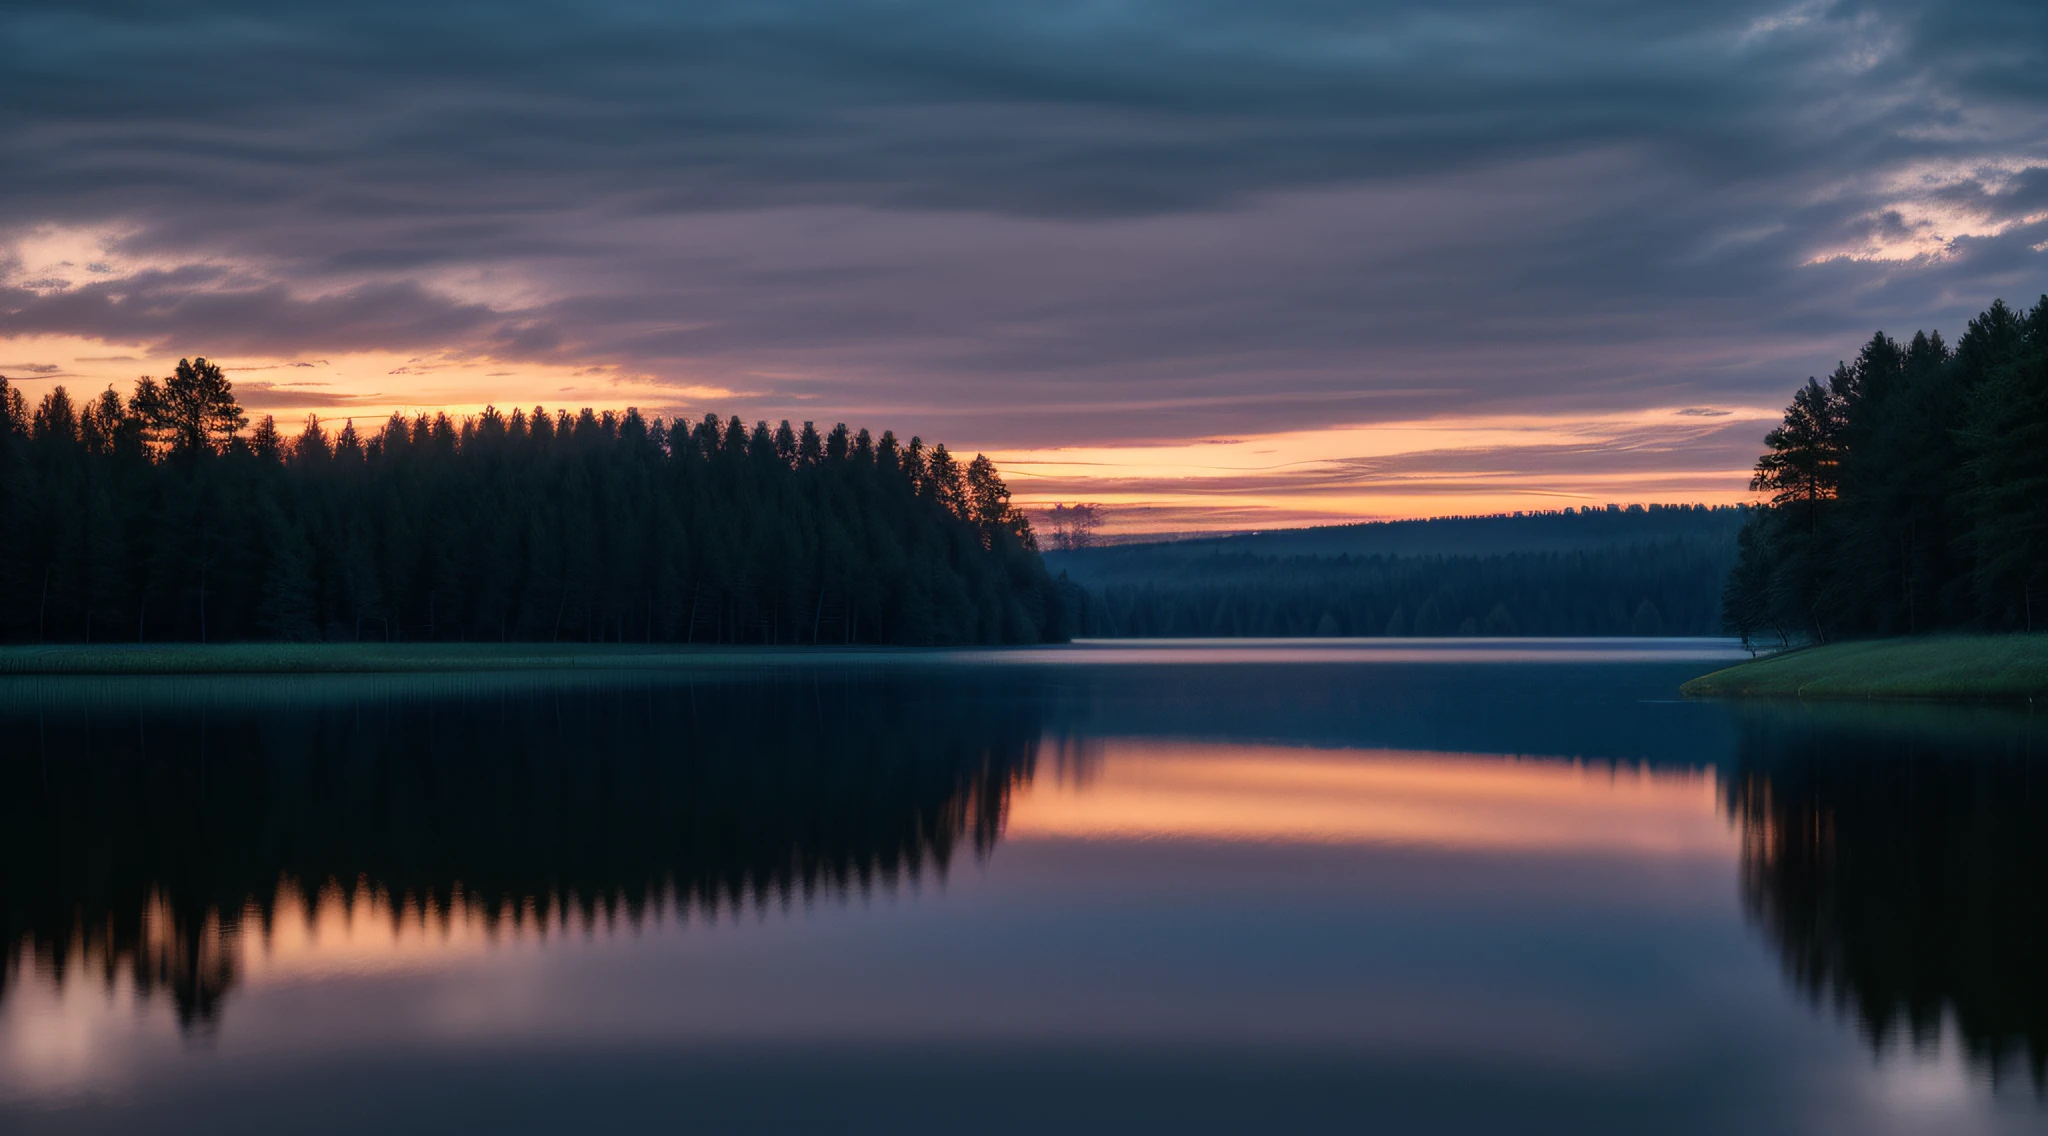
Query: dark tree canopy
{"points": [[1803, 465], [163, 518], [1908, 493], [193, 411]]}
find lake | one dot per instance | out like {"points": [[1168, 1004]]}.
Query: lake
{"points": [[1306, 886]]}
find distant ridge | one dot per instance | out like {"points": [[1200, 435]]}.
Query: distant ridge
{"points": [[1549, 531], [1613, 570]]}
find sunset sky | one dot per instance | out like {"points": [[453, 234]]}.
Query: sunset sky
{"points": [[1214, 265]]}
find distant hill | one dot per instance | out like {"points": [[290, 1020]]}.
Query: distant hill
{"points": [[1562, 531], [1608, 571]]}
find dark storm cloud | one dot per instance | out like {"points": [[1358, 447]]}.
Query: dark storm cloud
{"points": [[1042, 222]]}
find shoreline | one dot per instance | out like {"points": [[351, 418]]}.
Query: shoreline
{"points": [[1940, 668], [176, 659]]}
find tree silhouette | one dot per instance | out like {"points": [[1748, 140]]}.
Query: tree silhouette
{"points": [[158, 518], [192, 411], [1074, 526], [1803, 465], [1908, 494]]}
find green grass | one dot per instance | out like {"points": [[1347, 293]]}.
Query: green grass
{"points": [[380, 658], [1953, 667]]}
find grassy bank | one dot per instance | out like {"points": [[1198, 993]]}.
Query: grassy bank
{"points": [[1961, 667], [379, 658]]}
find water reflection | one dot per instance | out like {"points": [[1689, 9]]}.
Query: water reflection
{"points": [[1533, 879], [1467, 802], [1898, 859], [147, 844]]}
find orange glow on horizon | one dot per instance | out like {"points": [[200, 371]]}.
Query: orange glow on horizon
{"points": [[369, 387], [1460, 465]]}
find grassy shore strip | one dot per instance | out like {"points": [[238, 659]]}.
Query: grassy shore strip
{"points": [[1951, 667], [384, 658]]}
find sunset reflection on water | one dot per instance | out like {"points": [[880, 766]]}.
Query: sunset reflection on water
{"points": [[1193, 791], [1126, 883]]}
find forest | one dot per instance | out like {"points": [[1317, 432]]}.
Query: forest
{"points": [[1546, 530], [167, 517], [1906, 493], [1653, 570]]}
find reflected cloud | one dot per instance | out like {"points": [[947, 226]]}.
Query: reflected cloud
{"points": [[1475, 803]]}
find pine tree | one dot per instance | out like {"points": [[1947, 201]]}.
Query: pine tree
{"points": [[2006, 439], [156, 519], [1905, 494], [190, 412]]}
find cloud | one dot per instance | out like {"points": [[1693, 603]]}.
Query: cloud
{"points": [[1411, 469], [209, 307], [1035, 224], [261, 396]]}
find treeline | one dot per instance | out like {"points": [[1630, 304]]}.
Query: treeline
{"points": [[163, 517], [1908, 492], [1558, 530], [1663, 587]]}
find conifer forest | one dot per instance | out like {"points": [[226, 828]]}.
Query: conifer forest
{"points": [[1906, 493], [166, 516]]}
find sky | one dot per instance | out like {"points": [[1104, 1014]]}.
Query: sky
{"points": [[1214, 265]]}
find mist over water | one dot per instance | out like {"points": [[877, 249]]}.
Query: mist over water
{"points": [[1416, 887]]}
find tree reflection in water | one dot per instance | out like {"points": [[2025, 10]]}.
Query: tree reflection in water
{"points": [[147, 842], [1898, 859]]}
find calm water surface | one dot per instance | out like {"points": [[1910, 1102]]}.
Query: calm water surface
{"points": [[1481, 887]]}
